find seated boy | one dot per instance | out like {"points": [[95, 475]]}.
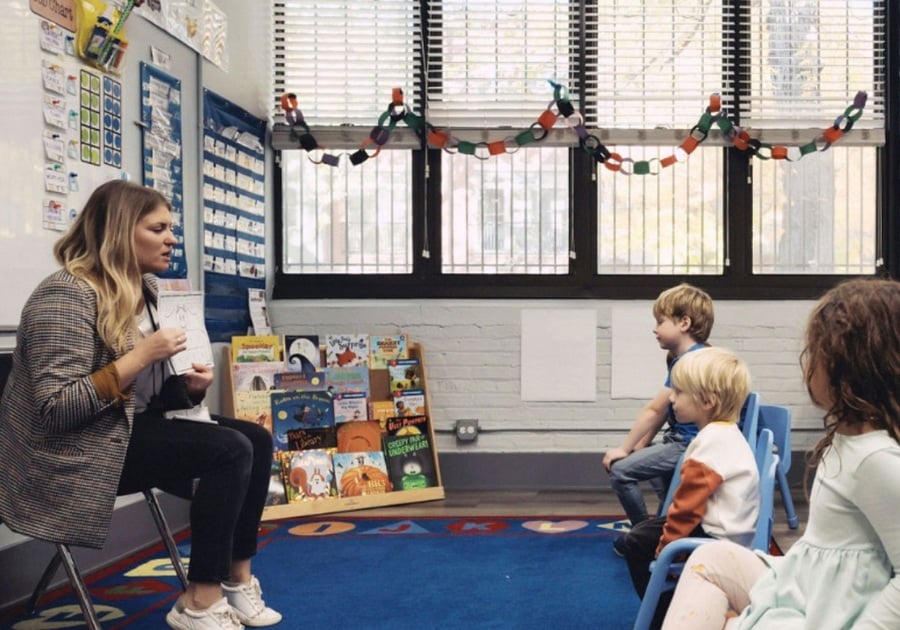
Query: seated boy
{"points": [[684, 319], [718, 494]]}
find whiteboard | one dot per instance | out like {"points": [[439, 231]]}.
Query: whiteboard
{"points": [[26, 246], [559, 355]]}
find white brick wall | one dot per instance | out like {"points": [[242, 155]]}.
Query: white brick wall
{"points": [[473, 365]]}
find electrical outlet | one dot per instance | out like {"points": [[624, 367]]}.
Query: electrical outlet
{"points": [[466, 430]]}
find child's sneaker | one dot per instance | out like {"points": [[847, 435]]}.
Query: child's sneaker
{"points": [[219, 616], [246, 601]]}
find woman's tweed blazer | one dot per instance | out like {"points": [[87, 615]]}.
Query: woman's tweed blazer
{"points": [[61, 447]]}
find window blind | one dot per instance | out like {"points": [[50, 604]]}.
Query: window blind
{"points": [[343, 58], [489, 62], [807, 60]]}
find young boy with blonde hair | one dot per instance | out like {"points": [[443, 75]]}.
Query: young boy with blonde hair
{"points": [[718, 493], [684, 318]]}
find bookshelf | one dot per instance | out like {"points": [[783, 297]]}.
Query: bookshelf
{"points": [[379, 390]]}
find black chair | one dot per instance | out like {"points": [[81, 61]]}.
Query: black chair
{"points": [[64, 556]]}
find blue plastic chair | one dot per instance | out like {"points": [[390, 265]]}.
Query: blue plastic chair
{"points": [[777, 419], [665, 570], [749, 422]]}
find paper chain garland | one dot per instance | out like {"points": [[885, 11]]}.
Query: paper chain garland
{"points": [[561, 107]]}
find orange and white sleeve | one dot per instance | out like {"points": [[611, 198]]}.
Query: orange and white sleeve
{"points": [[698, 482]]}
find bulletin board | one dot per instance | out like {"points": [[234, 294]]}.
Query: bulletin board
{"points": [[162, 152], [44, 176], [234, 245]]}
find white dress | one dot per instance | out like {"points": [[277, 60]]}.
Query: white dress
{"points": [[841, 573]]}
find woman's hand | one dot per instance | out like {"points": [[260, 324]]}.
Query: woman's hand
{"points": [[162, 344], [198, 380]]}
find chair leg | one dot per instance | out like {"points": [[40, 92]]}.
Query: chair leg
{"points": [[42, 584], [166, 535], [790, 511], [81, 592]]}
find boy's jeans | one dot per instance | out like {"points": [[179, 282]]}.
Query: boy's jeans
{"points": [[654, 463]]}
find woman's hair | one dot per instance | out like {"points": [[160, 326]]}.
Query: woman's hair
{"points": [[714, 375], [853, 335], [685, 300], [99, 249]]}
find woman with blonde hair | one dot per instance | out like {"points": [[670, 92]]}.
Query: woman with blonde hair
{"points": [[82, 418]]}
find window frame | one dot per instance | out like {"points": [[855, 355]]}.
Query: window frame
{"points": [[736, 282]]}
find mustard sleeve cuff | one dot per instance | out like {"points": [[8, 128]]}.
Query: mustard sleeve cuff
{"points": [[106, 383]]}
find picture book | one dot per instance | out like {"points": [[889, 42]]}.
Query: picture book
{"points": [[184, 310], [410, 461], [308, 475], [300, 381], [386, 348], [409, 402], [254, 406], [276, 494], [407, 425], [349, 406], [381, 410], [404, 374], [253, 348], [259, 312], [340, 380], [301, 353], [299, 410], [302, 439], [347, 350], [258, 376], [356, 437], [360, 474]]}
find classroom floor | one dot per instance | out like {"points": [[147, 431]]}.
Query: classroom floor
{"points": [[561, 503]]}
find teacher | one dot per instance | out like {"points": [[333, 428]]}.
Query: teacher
{"points": [[82, 416]]}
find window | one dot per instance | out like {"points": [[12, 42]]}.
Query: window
{"points": [[464, 190]]}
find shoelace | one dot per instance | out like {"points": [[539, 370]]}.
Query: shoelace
{"points": [[228, 618], [254, 594]]}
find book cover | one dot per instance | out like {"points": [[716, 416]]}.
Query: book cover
{"points": [[410, 461], [300, 381], [360, 474], [301, 353], [386, 348], [407, 425], [359, 437], [347, 350], [299, 410], [409, 402], [257, 376], [350, 406], [254, 406], [184, 310], [381, 410], [259, 312], [254, 348], [276, 494], [404, 374], [308, 475], [303, 439], [341, 380]]}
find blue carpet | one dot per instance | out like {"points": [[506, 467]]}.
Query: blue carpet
{"points": [[358, 572]]}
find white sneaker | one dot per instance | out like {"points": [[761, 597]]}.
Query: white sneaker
{"points": [[219, 616], [246, 601]]}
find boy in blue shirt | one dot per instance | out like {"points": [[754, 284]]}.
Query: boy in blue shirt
{"points": [[684, 318]]}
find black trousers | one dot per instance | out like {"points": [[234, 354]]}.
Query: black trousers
{"points": [[222, 468], [639, 551]]}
